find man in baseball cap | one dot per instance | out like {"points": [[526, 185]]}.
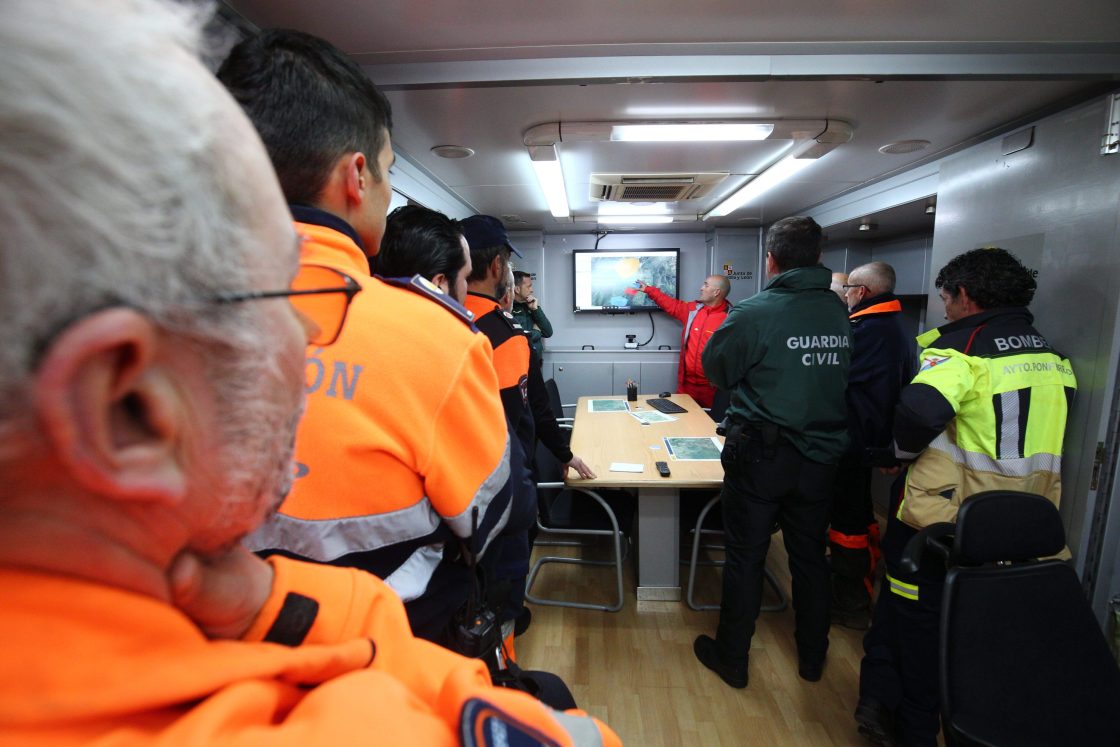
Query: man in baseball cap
{"points": [[485, 232]]}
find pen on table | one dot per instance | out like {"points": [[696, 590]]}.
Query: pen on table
{"points": [[669, 448]]}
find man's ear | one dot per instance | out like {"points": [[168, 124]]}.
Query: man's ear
{"points": [[497, 269], [109, 410], [356, 177], [441, 280]]}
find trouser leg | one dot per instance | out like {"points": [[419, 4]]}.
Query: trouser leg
{"points": [[879, 671], [804, 519], [750, 504], [900, 665], [852, 568]]}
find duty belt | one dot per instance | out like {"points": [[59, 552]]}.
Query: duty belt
{"points": [[757, 441]]}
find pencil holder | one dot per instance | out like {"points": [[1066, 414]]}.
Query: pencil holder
{"points": [[632, 393]]}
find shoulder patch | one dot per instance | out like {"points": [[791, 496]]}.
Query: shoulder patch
{"points": [[424, 287], [483, 724], [930, 361], [512, 320]]}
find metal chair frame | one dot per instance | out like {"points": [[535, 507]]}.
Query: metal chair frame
{"points": [[698, 533], [613, 532]]}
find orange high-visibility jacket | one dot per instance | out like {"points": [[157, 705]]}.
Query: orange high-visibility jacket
{"points": [[84, 663], [403, 436], [511, 363], [699, 323]]}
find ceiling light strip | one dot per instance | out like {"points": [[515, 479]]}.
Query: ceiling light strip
{"points": [[765, 181], [693, 132], [551, 180]]}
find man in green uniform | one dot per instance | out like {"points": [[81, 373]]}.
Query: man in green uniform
{"points": [[529, 314], [783, 354]]}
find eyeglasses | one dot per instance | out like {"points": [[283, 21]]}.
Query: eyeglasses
{"points": [[321, 295], [858, 285]]}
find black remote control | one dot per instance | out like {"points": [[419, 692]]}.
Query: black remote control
{"points": [[662, 468]]}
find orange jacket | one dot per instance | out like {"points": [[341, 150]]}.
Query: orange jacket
{"points": [[511, 363], [84, 663], [699, 323], [403, 436]]}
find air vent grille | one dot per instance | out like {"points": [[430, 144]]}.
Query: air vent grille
{"points": [[631, 192], [653, 187]]}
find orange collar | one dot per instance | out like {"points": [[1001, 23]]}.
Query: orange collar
{"points": [[879, 308]]}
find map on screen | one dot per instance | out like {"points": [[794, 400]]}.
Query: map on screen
{"points": [[607, 280]]}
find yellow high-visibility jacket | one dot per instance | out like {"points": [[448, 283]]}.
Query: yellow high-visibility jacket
{"points": [[987, 411]]}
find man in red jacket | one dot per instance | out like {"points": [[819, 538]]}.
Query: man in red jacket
{"points": [[700, 318]]}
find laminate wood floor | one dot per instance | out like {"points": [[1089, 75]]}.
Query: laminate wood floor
{"points": [[635, 668]]}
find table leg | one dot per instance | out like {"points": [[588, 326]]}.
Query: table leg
{"points": [[658, 540]]}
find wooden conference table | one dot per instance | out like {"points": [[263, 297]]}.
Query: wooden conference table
{"points": [[603, 438]]}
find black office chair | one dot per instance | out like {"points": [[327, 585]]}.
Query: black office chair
{"points": [[720, 402], [555, 402], [579, 512], [1022, 659]]}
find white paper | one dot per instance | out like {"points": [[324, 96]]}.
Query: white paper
{"points": [[652, 416], [626, 467]]}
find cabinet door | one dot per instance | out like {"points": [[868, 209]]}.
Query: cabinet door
{"points": [[658, 376], [582, 379], [627, 371]]}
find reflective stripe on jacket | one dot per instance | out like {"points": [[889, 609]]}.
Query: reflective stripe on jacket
{"points": [[699, 323], [403, 436], [329, 661], [987, 411]]}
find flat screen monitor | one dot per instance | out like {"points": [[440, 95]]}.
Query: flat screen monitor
{"points": [[605, 281]]}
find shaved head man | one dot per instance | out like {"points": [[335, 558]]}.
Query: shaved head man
{"points": [[700, 318]]}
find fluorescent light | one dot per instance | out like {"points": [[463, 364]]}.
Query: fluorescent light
{"points": [[691, 132], [633, 208], [777, 173], [634, 219], [551, 179]]}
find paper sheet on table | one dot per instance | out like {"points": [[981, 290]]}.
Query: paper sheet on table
{"points": [[626, 467], [691, 449], [652, 416], [607, 405]]}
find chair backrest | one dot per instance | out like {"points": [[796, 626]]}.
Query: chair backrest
{"points": [[1023, 660], [720, 402], [554, 398]]}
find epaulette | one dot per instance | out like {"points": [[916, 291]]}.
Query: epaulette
{"points": [[512, 321], [421, 285]]}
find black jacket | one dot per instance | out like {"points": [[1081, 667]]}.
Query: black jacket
{"points": [[884, 359]]}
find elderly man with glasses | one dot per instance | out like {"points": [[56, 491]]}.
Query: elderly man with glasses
{"points": [[151, 384], [883, 361]]}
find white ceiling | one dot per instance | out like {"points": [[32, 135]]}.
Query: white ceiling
{"points": [[481, 73]]}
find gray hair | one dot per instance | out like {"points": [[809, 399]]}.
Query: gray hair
{"points": [[722, 284], [116, 186], [878, 277]]}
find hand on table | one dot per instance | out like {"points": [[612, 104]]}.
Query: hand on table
{"points": [[580, 467]]}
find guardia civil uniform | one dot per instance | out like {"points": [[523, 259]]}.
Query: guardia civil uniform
{"points": [[784, 355], [986, 411]]}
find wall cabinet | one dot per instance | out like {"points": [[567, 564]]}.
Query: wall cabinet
{"points": [[605, 372]]}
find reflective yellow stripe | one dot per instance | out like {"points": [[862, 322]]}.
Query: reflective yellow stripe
{"points": [[903, 589]]}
